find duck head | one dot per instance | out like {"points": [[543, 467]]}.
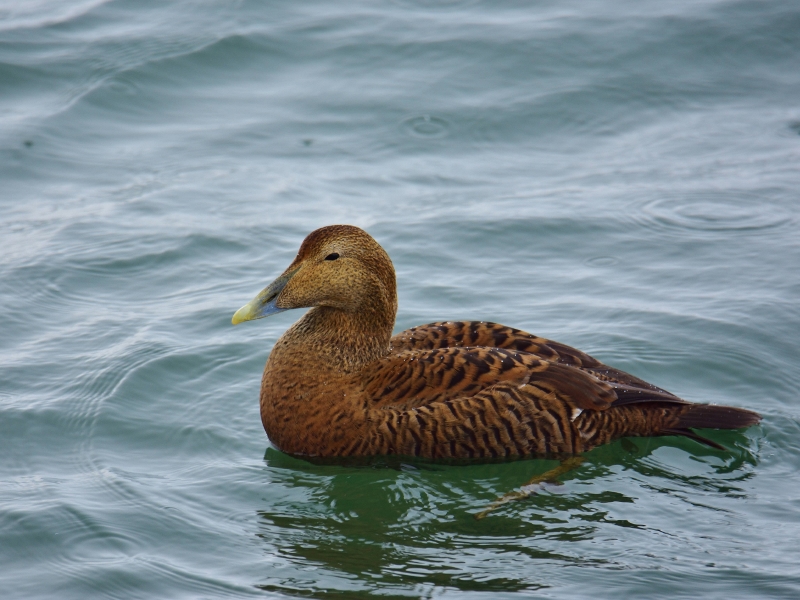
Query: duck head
{"points": [[339, 267]]}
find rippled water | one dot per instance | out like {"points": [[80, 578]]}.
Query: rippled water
{"points": [[619, 176]]}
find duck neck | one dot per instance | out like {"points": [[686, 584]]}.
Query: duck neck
{"points": [[343, 340]]}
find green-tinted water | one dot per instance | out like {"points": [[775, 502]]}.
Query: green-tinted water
{"points": [[622, 177]]}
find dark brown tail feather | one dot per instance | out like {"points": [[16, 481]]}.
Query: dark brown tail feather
{"points": [[711, 416]]}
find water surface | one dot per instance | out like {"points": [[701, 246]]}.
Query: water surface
{"points": [[619, 176]]}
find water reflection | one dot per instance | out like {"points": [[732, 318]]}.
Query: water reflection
{"points": [[402, 526]]}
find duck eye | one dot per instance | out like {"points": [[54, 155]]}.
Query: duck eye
{"points": [[332, 256]]}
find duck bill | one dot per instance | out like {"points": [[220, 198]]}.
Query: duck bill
{"points": [[265, 303]]}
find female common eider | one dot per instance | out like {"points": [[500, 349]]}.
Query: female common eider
{"points": [[338, 384]]}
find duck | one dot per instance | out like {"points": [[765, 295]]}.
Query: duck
{"points": [[337, 383]]}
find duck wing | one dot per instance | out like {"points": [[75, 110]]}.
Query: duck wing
{"points": [[479, 402], [536, 418], [450, 334], [492, 402], [415, 378]]}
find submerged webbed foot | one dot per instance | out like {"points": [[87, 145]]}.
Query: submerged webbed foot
{"points": [[533, 486]]}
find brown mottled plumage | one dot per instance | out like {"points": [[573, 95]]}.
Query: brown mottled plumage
{"points": [[338, 384]]}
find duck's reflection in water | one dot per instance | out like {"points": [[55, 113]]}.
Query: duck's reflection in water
{"points": [[400, 527]]}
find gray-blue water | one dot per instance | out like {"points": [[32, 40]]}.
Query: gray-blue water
{"points": [[620, 176]]}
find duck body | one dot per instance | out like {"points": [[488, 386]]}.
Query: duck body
{"points": [[338, 384]]}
